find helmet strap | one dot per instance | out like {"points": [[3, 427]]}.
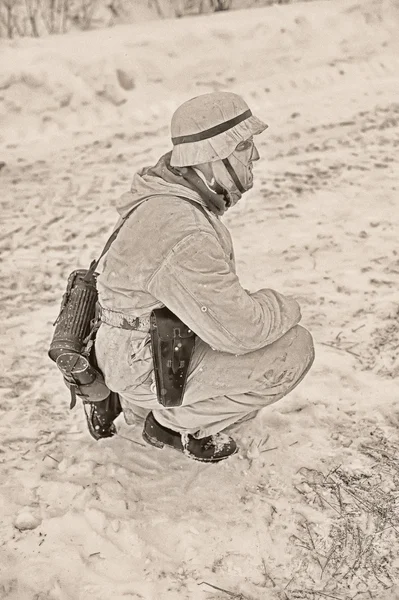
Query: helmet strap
{"points": [[233, 175]]}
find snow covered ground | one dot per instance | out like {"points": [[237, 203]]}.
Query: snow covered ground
{"points": [[316, 514]]}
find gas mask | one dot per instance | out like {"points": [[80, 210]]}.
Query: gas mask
{"points": [[234, 174]]}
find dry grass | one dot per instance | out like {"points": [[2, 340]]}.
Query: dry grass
{"points": [[355, 557]]}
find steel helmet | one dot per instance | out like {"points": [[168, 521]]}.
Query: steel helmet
{"points": [[208, 128]]}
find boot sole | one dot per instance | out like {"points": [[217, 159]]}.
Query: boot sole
{"points": [[152, 441]]}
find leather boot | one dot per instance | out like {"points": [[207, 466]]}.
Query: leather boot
{"points": [[100, 416], [212, 448]]}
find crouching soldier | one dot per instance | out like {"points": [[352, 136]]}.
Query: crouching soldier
{"points": [[173, 251]]}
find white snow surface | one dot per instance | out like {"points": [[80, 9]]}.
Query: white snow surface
{"points": [[308, 508]]}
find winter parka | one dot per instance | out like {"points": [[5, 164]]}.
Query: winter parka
{"points": [[168, 252]]}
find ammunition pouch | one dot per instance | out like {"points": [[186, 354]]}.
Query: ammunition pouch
{"points": [[172, 344], [72, 345]]}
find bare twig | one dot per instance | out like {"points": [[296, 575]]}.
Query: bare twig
{"points": [[385, 529], [313, 544], [303, 544], [269, 449], [330, 554], [365, 504], [52, 457], [339, 348], [130, 440], [339, 496], [370, 507], [290, 581], [322, 498], [263, 441], [267, 576], [215, 587], [351, 351]]}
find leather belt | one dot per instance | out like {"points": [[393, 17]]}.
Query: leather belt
{"points": [[122, 321]]}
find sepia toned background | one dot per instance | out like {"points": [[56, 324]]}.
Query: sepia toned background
{"points": [[309, 507]]}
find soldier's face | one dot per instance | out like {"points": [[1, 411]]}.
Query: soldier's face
{"points": [[242, 159]]}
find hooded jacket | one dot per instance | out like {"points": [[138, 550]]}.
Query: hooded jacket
{"points": [[168, 252]]}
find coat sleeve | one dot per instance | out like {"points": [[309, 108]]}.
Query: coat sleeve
{"points": [[196, 283]]}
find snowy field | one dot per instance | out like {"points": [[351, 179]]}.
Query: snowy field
{"points": [[315, 514]]}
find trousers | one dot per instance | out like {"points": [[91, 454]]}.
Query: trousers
{"points": [[221, 389]]}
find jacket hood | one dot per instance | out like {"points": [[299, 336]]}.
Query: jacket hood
{"points": [[159, 180]]}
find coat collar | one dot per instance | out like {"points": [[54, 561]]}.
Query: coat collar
{"points": [[214, 202]]}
